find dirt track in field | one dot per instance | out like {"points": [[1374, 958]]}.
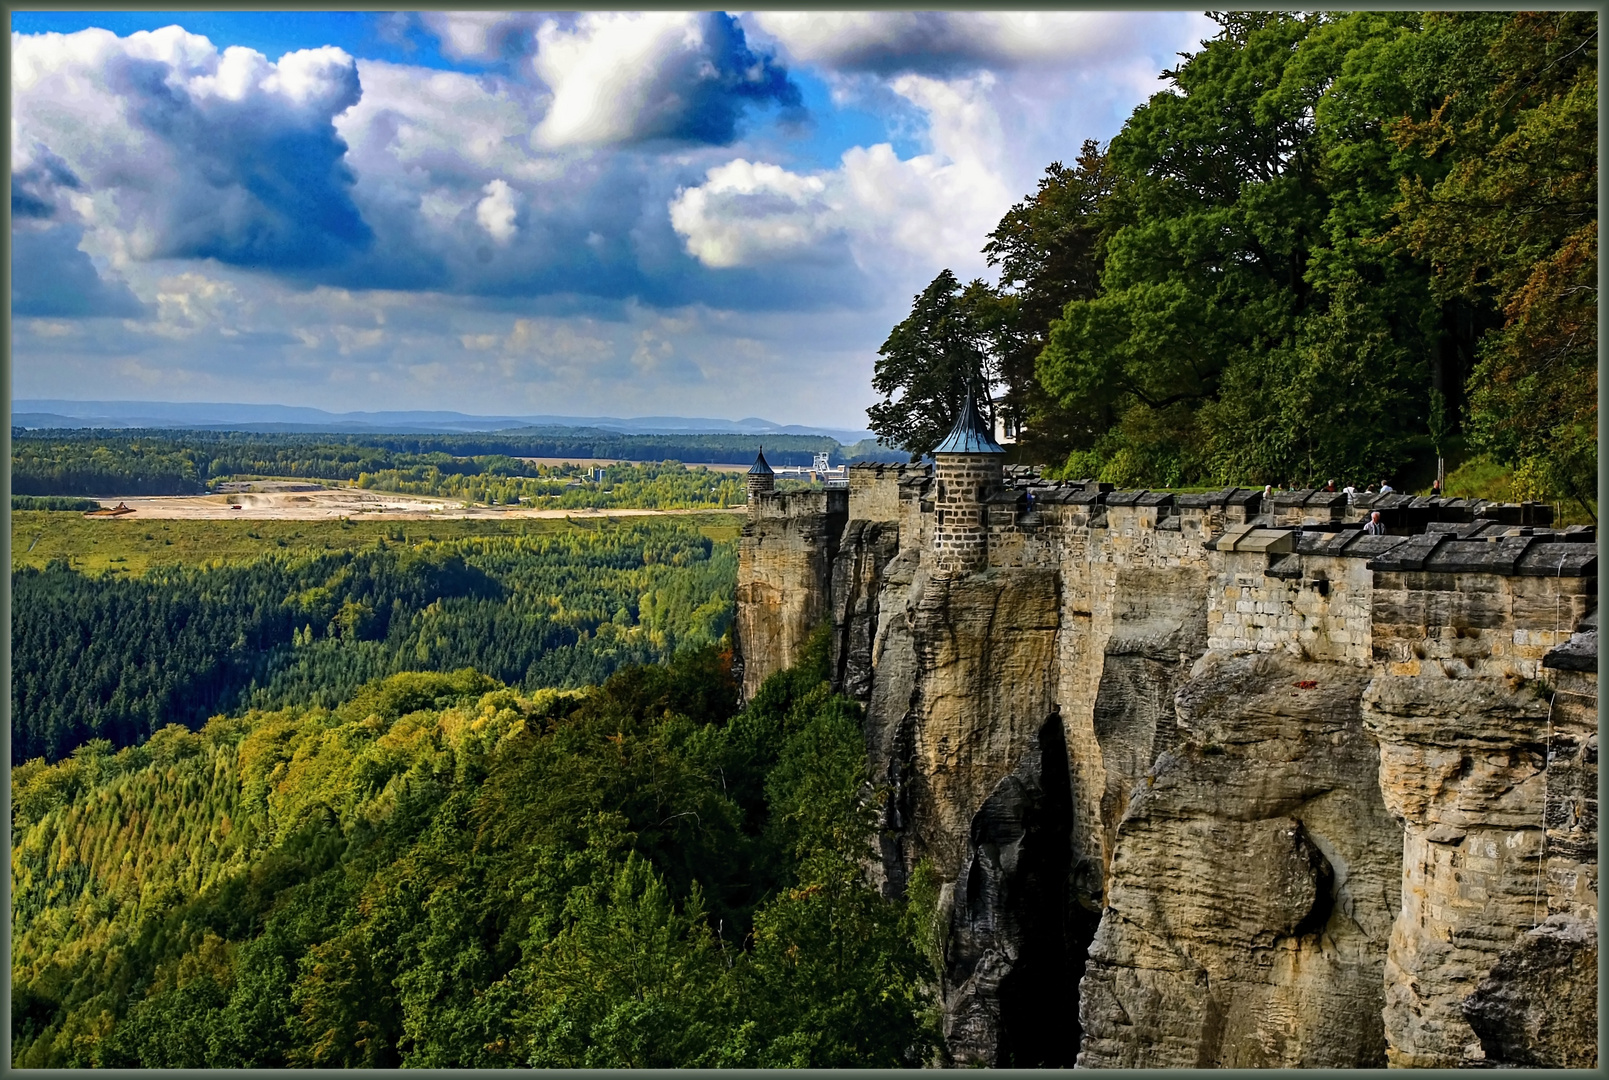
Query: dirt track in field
{"points": [[335, 503]]}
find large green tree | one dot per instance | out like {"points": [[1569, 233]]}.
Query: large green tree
{"points": [[1246, 329], [1049, 249], [1504, 205], [924, 367]]}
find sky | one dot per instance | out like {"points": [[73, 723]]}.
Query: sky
{"points": [[596, 213]]}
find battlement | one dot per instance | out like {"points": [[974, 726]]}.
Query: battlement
{"points": [[1025, 520]]}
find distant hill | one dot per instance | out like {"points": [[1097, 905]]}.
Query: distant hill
{"points": [[54, 413]]}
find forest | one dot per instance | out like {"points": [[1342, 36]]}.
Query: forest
{"points": [[120, 657], [441, 871], [667, 485], [1334, 245], [95, 462]]}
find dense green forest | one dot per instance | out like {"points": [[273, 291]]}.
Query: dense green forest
{"points": [[52, 502], [121, 462], [106, 656], [667, 485], [1335, 245], [444, 872]]}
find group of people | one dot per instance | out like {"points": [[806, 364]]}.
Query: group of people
{"points": [[1350, 490], [1374, 526]]}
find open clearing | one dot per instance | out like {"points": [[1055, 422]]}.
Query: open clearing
{"points": [[333, 503]]}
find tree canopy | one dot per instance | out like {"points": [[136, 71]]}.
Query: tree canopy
{"points": [[1326, 228]]}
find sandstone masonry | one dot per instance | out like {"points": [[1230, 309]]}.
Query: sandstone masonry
{"points": [[1213, 782]]}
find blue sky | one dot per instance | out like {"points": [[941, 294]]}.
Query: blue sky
{"points": [[597, 213]]}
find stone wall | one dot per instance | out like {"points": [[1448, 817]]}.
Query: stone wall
{"points": [[1211, 790], [785, 559]]}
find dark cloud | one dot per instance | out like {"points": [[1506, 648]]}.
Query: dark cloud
{"points": [[259, 181], [945, 44], [35, 187], [703, 96], [51, 278], [621, 79]]}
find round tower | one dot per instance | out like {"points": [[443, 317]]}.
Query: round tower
{"points": [[967, 469], [762, 480]]}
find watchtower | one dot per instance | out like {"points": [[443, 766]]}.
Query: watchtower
{"points": [[762, 480], [967, 468]]}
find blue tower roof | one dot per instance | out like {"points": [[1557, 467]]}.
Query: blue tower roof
{"points": [[970, 434], [760, 466]]}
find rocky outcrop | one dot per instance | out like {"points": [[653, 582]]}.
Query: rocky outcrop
{"points": [[1253, 884], [1538, 1008], [1206, 790], [857, 585], [1475, 756], [1013, 959], [984, 648]]}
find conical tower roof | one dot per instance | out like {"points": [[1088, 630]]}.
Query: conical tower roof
{"points": [[970, 434], [760, 466]]}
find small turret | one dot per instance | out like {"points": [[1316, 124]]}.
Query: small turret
{"points": [[967, 467], [762, 480]]}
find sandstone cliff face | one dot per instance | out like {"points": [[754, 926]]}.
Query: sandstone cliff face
{"points": [[1253, 798], [1254, 882], [1475, 756], [1538, 1008]]}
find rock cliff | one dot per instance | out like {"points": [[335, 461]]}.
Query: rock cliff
{"points": [[1212, 783]]}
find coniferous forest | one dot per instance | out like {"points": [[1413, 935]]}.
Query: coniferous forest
{"points": [[442, 871], [99, 656]]}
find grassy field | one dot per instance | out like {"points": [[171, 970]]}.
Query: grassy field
{"points": [[124, 546]]}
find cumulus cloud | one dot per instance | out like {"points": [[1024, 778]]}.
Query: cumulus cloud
{"points": [[667, 75], [496, 212], [748, 211], [620, 78], [206, 154], [893, 214], [956, 42]]}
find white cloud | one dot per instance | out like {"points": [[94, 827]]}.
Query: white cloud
{"points": [[745, 212], [474, 35], [192, 152], [624, 77], [928, 211], [496, 212], [608, 74]]}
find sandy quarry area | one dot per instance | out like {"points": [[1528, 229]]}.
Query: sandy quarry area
{"points": [[332, 503]]}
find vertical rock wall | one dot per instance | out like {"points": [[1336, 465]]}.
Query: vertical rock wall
{"points": [[1470, 735], [1253, 884], [1318, 791]]}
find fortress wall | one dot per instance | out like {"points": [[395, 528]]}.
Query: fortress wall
{"points": [[874, 492], [785, 559], [1234, 731], [1320, 606]]}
